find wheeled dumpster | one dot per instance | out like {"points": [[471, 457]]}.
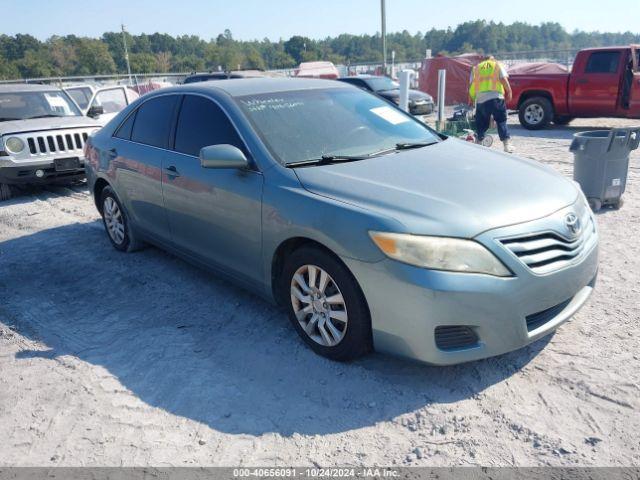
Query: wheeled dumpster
{"points": [[601, 163]]}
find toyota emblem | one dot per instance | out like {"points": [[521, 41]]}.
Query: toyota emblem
{"points": [[573, 223]]}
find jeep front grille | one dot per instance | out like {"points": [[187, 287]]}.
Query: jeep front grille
{"points": [[59, 142]]}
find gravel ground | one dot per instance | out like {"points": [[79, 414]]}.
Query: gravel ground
{"points": [[111, 359]]}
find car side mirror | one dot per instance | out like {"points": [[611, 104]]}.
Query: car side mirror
{"points": [[222, 156], [95, 111]]}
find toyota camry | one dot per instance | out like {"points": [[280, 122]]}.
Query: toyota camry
{"points": [[372, 230]]}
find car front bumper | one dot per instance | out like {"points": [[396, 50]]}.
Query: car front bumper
{"points": [[25, 173], [408, 303]]}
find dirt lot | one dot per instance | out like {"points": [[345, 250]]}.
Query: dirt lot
{"points": [[142, 359]]}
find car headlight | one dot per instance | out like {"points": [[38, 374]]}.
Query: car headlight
{"points": [[440, 253], [14, 145]]}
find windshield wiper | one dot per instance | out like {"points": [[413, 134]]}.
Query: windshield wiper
{"points": [[6, 119], [409, 145], [328, 160]]}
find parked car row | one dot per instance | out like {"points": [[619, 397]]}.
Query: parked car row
{"points": [[372, 230], [420, 103]]}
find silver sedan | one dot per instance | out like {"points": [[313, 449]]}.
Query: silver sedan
{"points": [[369, 228]]}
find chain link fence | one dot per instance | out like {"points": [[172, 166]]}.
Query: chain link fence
{"points": [[564, 57]]}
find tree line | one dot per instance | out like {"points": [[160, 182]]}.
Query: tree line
{"points": [[24, 56]]}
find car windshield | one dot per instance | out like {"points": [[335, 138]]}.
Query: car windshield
{"points": [[379, 84], [306, 125], [25, 105]]}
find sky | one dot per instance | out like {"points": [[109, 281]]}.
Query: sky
{"points": [[275, 19]]}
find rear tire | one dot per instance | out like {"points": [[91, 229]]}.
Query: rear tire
{"points": [[5, 192], [535, 113], [116, 222], [333, 319]]}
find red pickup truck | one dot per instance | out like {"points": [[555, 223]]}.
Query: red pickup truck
{"points": [[604, 82]]}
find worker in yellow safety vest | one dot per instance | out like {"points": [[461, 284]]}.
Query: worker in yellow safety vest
{"points": [[488, 87]]}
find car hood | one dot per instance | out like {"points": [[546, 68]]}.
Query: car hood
{"points": [[414, 95], [452, 188], [39, 124]]}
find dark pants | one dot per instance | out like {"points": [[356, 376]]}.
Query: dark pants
{"points": [[484, 111]]}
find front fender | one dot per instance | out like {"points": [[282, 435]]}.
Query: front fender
{"points": [[289, 211]]}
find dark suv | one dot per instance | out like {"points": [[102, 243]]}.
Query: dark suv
{"points": [[205, 77], [420, 103]]}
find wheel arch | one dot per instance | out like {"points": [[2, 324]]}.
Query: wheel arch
{"points": [[98, 188], [526, 95], [287, 247]]}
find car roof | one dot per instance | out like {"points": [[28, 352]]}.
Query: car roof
{"points": [[26, 87], [257, 86]]}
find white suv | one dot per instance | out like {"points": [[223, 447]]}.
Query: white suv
{"points": [[101, 103], [42, 136]]}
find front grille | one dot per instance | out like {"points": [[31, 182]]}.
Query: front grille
{"points": [[58, 142], [455, 337], [549, 251], [536, 320]]}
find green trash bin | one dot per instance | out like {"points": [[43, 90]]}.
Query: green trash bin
{"points": [[601, 163]]}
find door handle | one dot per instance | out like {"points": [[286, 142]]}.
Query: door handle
{"points": [[172, 171], [582, 80]]}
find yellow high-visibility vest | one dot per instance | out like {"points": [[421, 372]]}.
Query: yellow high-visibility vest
{"points": [[486, 78]]}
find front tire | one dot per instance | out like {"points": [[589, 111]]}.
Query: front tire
{"points": [[116, 222], [535, 113], [325, 305]]}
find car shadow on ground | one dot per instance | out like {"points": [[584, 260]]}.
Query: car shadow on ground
{"points": [[184, 341], [24, 194]]}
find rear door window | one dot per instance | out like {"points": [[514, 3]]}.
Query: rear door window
{"points": [[152, 125], [603, 62], [124, 130], [202, 123]]}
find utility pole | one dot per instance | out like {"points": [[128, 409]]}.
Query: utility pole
{"points": [[384, 35], [126, 54]]}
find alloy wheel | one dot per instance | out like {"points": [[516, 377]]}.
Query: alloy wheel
{"points": [[113, 220], [318, 305]]}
